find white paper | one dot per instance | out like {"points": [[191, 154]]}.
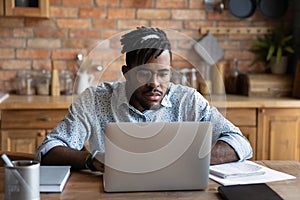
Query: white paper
{"points": [[270, 175]]}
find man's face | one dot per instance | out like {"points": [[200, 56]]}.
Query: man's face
{"points": [[147, 84]]}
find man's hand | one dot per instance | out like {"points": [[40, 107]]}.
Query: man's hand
{"points": [[98, 162], [61, 155]]}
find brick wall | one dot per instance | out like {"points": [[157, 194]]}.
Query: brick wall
{"points": [[77, 25]]}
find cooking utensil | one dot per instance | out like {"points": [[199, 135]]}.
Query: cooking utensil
{"points": [[220, 6], [242, 8], [214, 5], [272, 8], [209, 49], [209, 5]]}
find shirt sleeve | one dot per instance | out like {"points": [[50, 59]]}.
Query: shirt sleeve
{"points": [[73, 131], [230, 134], [223, 129]]}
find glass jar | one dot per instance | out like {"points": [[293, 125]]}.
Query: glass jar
{"points": [[25, 83], [66, 82], [43, 82]]}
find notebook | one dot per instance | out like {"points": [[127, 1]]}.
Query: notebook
{"points": [[157, 156], [250, 191], [236, 170], [53, 178]]}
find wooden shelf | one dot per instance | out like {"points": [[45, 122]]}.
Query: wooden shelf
{"points": [[235, 30]]}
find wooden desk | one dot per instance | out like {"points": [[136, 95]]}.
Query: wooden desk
{"points": [[86, 185]]}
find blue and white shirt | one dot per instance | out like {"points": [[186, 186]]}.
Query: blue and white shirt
{"points": [[98, 105]]}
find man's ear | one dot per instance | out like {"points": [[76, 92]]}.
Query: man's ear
{"points": [[125, 69]]}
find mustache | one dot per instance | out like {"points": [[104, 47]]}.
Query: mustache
{"points": [[154, 90]]}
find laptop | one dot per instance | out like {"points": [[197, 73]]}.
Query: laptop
{"points": [[157, 156]]}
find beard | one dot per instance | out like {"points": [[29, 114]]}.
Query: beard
{"points": [[146, 98]]}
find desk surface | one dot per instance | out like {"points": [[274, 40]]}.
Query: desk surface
{"points": [[86, 185]]}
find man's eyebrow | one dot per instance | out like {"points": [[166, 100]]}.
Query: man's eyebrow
{"points": [[160, 70], [164, 70]]}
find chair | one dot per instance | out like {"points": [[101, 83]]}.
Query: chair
{"points": [[16, 156]]}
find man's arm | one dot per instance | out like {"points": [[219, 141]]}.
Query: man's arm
{"points": [[61, 155], [222, 153], [236, 147]]}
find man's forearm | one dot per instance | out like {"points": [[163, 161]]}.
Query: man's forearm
{"points": [[61, 155], [222, 153]]}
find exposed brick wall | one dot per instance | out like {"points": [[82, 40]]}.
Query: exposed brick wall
{"points": [[77, 25]]}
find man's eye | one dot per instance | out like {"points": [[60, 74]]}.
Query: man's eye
{"points": [[163, 74], [144, 73]]}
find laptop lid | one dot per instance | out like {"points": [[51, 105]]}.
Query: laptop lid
{"points": [[157, 156]]}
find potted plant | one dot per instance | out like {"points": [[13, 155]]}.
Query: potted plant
{"points": [[273, 49]]}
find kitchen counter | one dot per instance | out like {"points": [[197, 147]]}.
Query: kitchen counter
{"points": [[15, 102], [239, 101]]}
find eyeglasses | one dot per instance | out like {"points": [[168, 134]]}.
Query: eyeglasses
{"points": [[144, 76]]}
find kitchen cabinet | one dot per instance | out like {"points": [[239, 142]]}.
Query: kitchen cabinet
{"points": [[245, 119], [279, 134], [272, 125], [39, 9], [26, 120], [24, 130], [21, 140]]}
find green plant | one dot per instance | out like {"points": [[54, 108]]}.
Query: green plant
{"points": [[279, 43]]}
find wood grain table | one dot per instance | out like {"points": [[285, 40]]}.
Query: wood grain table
{"points": [[87, 185]]}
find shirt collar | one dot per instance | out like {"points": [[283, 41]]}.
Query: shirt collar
{"points": [[166, 101], [119, 95]]}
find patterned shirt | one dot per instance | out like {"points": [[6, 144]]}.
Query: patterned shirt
{"points": [[98, 105]]}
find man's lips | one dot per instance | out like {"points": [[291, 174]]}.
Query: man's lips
{"points": [[153, 96]]}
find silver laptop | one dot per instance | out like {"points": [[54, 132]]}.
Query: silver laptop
{"points": [[157, 156]]}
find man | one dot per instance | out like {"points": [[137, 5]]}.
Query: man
{"points": [[147, 95]]}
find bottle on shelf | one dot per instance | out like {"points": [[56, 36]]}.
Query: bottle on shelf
{"points": [[218, 78], [55, 88], [231, 80], [194, 81], [205, 83]]}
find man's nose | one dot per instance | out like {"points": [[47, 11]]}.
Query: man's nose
{"points": [[153, 80]]}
